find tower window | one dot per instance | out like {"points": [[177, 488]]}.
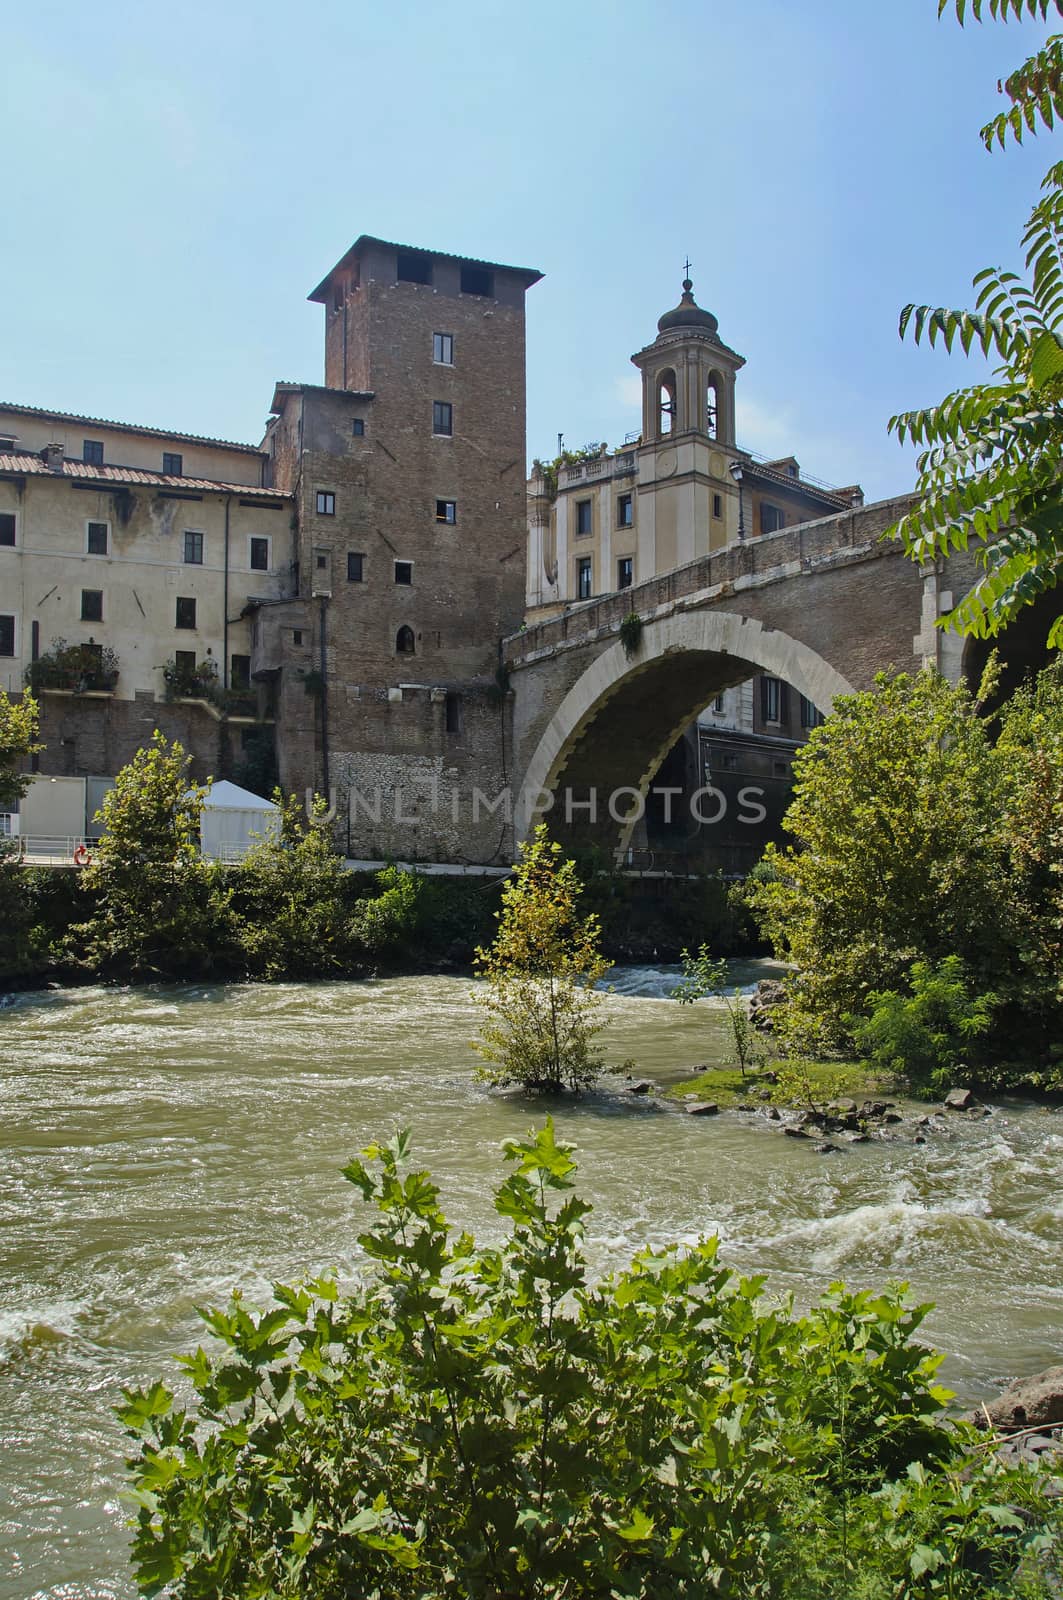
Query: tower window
{"points": [[172, 464], [186, 612], [771, 518], [404, 641], [712, 409], [477, 280], [452, 713], [326, 503], [7, 635], [624, 572], [413, 267], [358, 427], [92, 605], [355, 566], [92, 452], [7, 527], [584, 516], [442, 418], [665, 403], [96, 538], [584, 577], [259, 554], [443, 349], [446, 511], [717, 505], [404, 572], [193, 549], [297, 636], [337, 295], [625, 511]]}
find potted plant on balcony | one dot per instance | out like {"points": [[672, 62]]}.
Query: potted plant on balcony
{"points": [[188, 681], [88, 668]]}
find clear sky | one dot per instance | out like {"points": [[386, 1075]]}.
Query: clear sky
{"points": [[180, 176]]}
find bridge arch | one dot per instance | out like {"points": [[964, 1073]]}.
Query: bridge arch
{"points": [[623, 714]]}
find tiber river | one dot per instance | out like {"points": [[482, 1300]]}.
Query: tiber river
{"points": [[161, 1145]]}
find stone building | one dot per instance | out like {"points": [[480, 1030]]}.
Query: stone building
{"points": [[600, 521], [127, 557], [343, 587]]}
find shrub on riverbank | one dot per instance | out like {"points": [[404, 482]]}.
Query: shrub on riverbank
{"points": [[491, 1421], [923, 832]]}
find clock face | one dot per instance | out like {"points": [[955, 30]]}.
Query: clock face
{"points": [[717, 465], [666, 463]]}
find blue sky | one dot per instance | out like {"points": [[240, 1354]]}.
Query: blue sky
{"points": [[179, 178]]}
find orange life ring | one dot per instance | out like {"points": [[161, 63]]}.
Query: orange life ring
{"points": [[81, 856]]}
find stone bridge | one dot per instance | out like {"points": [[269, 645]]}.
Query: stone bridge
{"points": [[824, 606]]}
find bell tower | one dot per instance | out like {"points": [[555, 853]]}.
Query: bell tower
{"points": [[687, 500]]}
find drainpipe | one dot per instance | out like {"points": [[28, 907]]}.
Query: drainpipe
{"points": [[324, 700], [225, 602]]}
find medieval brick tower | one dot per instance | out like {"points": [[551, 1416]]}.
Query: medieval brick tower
{"points": [[408, 472]]}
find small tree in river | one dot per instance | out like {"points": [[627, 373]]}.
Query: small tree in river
{"points": [[539, 998], [704, 976]]}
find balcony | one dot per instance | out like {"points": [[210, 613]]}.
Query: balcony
{"points": [[74, 669]]}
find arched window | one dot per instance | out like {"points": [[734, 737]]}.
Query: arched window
{"points": [[404, 641], [712, 408], [665, 403]]}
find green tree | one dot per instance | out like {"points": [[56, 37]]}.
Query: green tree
{"points": [[541, 1006], [926, 1033], [989, 473], [160, 909], [19, 723], [488, 1421]]}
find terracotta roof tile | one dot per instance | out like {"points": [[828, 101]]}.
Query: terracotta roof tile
{"points": [[32, 466], [125, 427]]}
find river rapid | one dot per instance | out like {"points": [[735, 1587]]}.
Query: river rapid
{"points": [[161, 1145]]}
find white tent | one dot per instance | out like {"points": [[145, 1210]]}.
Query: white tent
{"points": [[231, 816]]}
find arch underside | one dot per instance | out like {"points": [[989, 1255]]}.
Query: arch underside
{"points": [[615, 726]]}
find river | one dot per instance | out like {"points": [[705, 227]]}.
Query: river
{"points": [[160, 1145]]}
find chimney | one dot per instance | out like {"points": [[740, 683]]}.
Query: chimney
{"points": [[52, 455]]}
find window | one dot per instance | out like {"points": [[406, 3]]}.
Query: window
{"points": [[193, 549], [625, 511], [665, 403], [404, 572], [729, 763], [92, 452], [186, 612], [7, 444], [452, 713], [712, 408], [780, 769], [623, 573], [446, 511], [92, 605], [326, 503], [337, 295], [184, 663], [7, 527], [584, 577], [413, 267], [442, 418], [477, 280], [96, 538], [355, 566], [7, 635], [240, 672], [404, 641], [259, 554], [321, 561], [811, 715], [772, 699], [771, 518], [717, 505], [443, 349], [358, 427], [584, 516], [172, 464], [297, 636]]}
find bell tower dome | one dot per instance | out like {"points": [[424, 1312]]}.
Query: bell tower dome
{"points": [[688, 376]]}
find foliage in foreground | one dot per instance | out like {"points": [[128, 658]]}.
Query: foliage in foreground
{"points": [[989, 467], [539, 1001], [918, 836], [19, 723], [488, 1421]]}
